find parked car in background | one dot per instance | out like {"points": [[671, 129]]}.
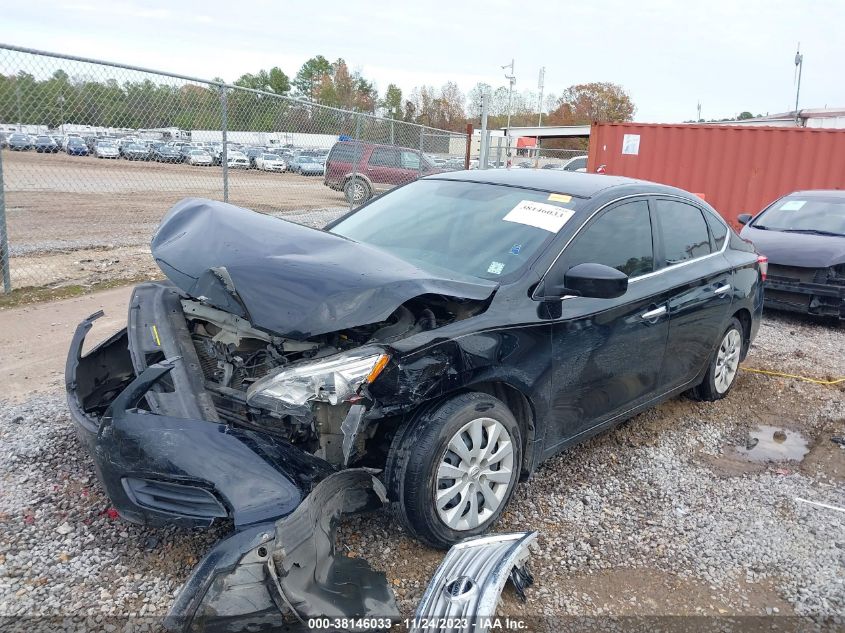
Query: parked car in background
{"points": [[198, 157], [307, 166], [553, 166], [803, 235], [19, 142], [45, 144], [237, 160], [361, 170], [106, 149], [453, 333], [576, 163], [252, 153], [136, 151], [167, 154], [76, 147], [270, 162]]}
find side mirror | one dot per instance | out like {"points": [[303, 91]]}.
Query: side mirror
{"points": [[589, 280], [744, 218]]}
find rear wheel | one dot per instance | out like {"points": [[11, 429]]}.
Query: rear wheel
{"points": [[723, 366], [453, 469], [357, 191]]}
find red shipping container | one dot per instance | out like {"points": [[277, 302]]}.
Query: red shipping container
{"points": [[737, 169]]}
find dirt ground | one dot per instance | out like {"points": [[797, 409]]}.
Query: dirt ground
{"points": [[81, 220]]}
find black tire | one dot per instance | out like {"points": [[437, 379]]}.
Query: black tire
{"points": [[415, 457], [708, 389], [364, 193]]}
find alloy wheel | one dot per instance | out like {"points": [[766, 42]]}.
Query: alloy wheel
{"points": [[727, 360]]}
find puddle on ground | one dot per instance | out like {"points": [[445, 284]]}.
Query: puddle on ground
{"points": [[773, 444]]}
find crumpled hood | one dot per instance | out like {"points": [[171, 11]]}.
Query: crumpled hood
{"points": [[797, 249], [289, 279]]}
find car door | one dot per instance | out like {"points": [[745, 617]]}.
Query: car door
{"points": [[698, 276], [383, 168], [608, 353]]}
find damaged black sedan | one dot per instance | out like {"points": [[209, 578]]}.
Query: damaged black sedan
{"points": [[451, 334]]}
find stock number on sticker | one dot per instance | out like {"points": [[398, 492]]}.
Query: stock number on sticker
{"points": [[347, 624]]}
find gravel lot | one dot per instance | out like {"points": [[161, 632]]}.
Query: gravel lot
{"points": [[660, 516], [82, 220]]}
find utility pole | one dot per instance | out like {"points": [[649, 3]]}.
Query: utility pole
{"points": [[799, 64], [511, 81], [541, 82], [698, 118], [483, 148]]}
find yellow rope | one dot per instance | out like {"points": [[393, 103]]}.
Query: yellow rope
{"points": [[804, 378]]}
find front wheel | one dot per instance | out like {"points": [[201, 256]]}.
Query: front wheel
{"points": [[723, 366], [356, 191], [453, 469]]}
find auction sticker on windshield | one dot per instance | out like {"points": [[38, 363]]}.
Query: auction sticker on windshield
{"points": [[792, 205], [539, 214]]}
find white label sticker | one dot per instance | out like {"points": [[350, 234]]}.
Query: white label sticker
{"points": [[544, 216], [792, 205], [631, 144], [496, 268]]}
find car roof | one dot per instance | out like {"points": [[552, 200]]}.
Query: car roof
{"points": [[573, 183], [826, 193]]}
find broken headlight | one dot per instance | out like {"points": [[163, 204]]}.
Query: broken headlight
{"points": [[333, 379]]}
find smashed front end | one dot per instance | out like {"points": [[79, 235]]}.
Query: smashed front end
{"points": [[251, 374]]}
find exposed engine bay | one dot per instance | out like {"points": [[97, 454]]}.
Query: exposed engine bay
{"points": [[234, 355]]}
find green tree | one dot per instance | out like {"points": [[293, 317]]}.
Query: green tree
{"points": [[310, 77], [392, 102]]}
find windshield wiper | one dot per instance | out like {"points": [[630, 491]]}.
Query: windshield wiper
{"points": [[814, 232]]}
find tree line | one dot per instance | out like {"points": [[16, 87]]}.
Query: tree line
{"points": [[143, 103]]}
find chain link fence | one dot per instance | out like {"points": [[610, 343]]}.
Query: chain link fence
{"points": [[94, 153]]}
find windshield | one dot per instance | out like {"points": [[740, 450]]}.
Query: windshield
{"points": [[461, 226], [823, 214], [44, 139]]}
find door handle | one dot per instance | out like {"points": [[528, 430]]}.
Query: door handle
{"points": [[722, 289], [653, 314]]}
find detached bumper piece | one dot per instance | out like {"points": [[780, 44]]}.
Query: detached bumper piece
{"points": [[281, 575], [464, 592]]}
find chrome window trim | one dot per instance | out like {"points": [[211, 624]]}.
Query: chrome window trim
{"points": [[646, 197]]}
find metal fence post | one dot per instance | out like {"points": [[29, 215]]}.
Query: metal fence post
{"points": [[4, 234], [422, 144], [355, 159], [224, 156], [469, 146]]}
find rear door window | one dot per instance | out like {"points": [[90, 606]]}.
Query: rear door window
{"points": [[384, 157], [683, 231], [718, 231], [410, 160]]}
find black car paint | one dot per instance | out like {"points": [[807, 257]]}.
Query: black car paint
{"points": [[567, 368], [801, 265]]}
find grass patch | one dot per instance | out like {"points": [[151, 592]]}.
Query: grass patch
{"points": [[31, 294]]}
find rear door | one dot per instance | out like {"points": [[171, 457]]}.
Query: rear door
{"points": [[383, 168], [695, 270], [608, 353]]}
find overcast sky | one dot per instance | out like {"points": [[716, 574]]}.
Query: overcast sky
{"points": [[730, 55]]}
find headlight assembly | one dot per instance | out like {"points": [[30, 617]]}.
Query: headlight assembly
{"points": [[333, 379]]}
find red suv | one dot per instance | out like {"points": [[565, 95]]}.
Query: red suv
{"points": [[376, 168]]}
